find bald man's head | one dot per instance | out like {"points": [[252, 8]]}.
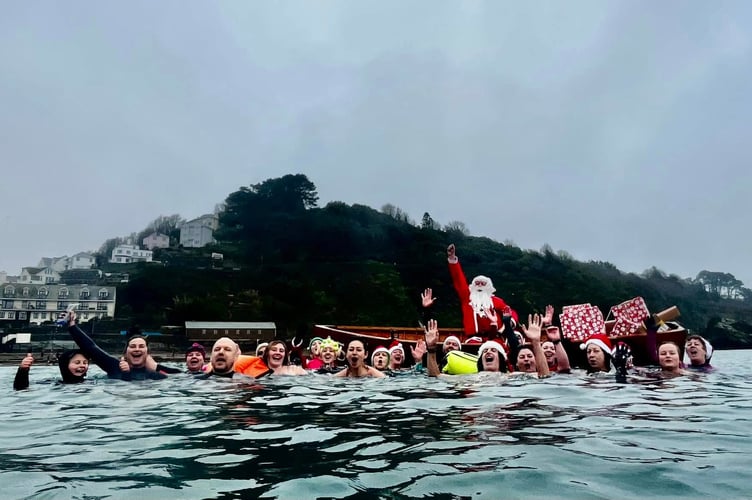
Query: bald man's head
{"points": [[224, 354]]}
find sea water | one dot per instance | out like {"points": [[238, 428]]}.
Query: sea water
{"points": [[570, 436]]}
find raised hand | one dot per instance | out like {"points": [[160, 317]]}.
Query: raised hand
{"points": [[27, 361], [533, 329], [427, 299], [432, 334], [553, 333], [124, 366], [71, 317], [549, 316], [418, 351], [451, 253], [622, 352], [490, 313]]}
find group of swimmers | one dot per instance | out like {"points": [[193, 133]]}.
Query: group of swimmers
{"points": [[533, 349]]}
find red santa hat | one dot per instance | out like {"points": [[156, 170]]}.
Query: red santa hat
{"points": [[395, 345], [379, 349], [474, 340], [492, 344], [601, 340], [454, 338]]}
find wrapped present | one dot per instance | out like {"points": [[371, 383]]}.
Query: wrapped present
{"points": [[634, 310], [624, 326], [578, 322]]}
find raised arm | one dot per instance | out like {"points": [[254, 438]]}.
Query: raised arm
{"points": [[458, 276], [21, 381], [426, 306], [533, 333], [91, 350], [562, 359], [432, 340]]}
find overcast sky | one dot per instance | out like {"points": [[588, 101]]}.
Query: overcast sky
{"points": [[617, 131]]}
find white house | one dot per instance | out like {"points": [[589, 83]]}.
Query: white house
{"points": [[82, 260], [57, 264], [126, 254], [39, 275], [199, 232], [156, 240]]}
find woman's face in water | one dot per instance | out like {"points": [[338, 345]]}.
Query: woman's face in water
{"points": [[78, 365], [381, 360], [596, 358], [668, 356], [136, 352], [316, 348], [356, 354], [328, 354]]}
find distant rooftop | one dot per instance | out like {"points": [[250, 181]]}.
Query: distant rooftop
{"points": [[263, 325]]}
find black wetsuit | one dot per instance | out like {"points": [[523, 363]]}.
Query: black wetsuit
{"points": [[110, 364]]}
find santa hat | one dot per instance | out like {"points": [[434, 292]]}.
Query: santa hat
{"points": [[196, 347], [394, 346], [708, 348], [492, 344], [379, 349], [601, 340], [454, 338], [474, 340]]}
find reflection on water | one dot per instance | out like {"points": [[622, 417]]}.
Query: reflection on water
{"points": [[410, 436]]}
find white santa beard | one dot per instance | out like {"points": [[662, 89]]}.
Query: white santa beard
{"points": [[480, 301]]}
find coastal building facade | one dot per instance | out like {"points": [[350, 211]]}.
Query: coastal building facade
{"points": [[126, 254], [39, 303], [39, 275], [156, 240], [199, 232]]}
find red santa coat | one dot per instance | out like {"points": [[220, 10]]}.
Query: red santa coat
{"points": [[474, 324]]}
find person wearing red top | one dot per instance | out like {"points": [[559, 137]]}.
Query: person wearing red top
{"points": [[480, 307]]}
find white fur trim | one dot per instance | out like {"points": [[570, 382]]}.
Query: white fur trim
{"points": [[599, 343], [492, 344]]}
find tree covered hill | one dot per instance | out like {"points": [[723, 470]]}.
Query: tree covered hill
{"points": [[289, 261]]}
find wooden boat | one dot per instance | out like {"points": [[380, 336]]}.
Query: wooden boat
{"points": [[375, 336]]}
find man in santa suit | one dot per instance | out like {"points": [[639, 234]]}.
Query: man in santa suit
{"points": [[482, 311]]}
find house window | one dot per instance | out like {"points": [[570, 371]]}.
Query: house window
{"points": [[84, 294], [62, 293], [9, 291], [41, 304], [101, 306], [25, 305], [10, 315], [203, 332], [43, 292], [7, 304], [62, 304], [35, 315], [103, 293], [2, 314], [22, 315], [25, 291]]}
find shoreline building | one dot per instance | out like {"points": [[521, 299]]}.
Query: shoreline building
{"points": [[199, 232], [126, 254], [37, 304]]}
